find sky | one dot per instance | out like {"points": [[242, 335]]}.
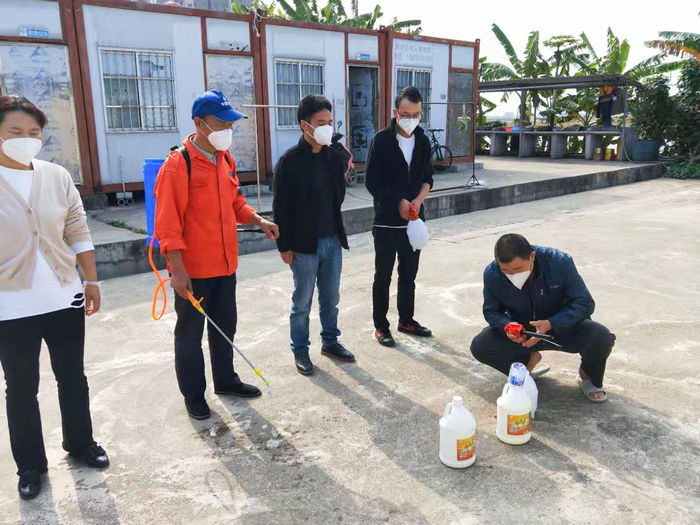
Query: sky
{"points": [[635, 20]]}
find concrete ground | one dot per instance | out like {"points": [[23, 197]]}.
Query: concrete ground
{"points": [[496, 172], [358, 443]]}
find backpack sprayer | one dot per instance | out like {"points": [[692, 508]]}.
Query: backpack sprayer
{"points": [[518, 330]]}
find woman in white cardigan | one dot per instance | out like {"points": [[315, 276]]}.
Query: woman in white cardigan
{"points": [[41, 296]]}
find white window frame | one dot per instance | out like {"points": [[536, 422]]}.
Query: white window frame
{"points": [[427, 113], [139, 78], [298, 63]]}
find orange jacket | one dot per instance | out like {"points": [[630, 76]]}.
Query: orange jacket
{"points": [[199, 216]]}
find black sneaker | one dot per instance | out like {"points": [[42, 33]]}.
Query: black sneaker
{"points": [[239, 389], [337, 351], [198, 409], [415, 328], [384, 337], [29, 485], [303, 363]]}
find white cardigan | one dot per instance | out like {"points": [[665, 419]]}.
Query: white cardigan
{"points": [[51, 221]]}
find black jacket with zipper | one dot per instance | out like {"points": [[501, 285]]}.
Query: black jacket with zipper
{"points": [[294, 207], [389, 178]]}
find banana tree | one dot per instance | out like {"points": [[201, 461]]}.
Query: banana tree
{"points": [[533, 65], [678, 44]]}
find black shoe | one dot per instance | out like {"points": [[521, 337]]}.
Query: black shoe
{"points": [[304, 364], [384, 337], [415, 328], [338, 351], [29, 485], [95, 456], [198, 409], [240, 389]]}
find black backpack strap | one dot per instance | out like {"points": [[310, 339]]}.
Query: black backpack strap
{"points": [[185, 155]]}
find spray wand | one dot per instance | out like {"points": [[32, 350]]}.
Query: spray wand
{"points": [[197, 304]]}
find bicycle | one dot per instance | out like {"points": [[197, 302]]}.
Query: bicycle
{"points": [[440, 155]]}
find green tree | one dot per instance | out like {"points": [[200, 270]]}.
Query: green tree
{"points": [[656, 114], [687, 125]]}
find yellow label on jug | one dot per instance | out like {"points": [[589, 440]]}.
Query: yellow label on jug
{"points": [[466, 448], [518, 425]]}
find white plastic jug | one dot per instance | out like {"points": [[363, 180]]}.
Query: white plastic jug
{"points": [[532, 392], [417, 234], [457, 435], [513, 424]]}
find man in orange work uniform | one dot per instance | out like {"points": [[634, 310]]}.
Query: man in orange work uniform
{"points": [[198, 205]]}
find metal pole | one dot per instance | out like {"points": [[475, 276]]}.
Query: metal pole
{"points": [[257, 159], [257, 153], [464, 106], [522, 123]]}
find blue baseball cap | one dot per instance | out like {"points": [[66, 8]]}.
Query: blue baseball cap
{"points": [[216, 104]]}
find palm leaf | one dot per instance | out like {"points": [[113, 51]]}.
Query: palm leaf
{"points": [[495, 71], [289, 11], [658, 69], [624, 54], [680, 47], [507, 47], [679, 35], [533, 58], [302, 7], [490, 106], [406, 24], [588, 44]]}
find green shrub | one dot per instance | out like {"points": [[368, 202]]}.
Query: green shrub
{"points": [[686, 170]]}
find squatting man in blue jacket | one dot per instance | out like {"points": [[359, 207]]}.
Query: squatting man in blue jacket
{"points": [[540, 289]]}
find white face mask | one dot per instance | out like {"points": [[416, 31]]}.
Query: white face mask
{"points": [[323, 135], [221, 140], [519, 279], [22, 150], [409, 124]]}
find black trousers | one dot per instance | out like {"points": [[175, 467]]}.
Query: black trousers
{"points": [[220, 304], [591, 340], [388, 243], [20, 347]]}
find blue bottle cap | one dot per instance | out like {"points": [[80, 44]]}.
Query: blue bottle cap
{"points": [[518, 372]]}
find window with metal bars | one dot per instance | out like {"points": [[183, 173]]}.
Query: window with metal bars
{"points": [[139, 90], [420, 79], [295, 80]]}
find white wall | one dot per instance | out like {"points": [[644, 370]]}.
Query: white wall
{"points": [[425, 55], [122, 28], [463, 57], [365, 44], [34, 14], [228, 34], [305, 44]]}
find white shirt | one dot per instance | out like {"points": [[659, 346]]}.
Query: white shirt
{"points": [[46, 293], [407, 145]]}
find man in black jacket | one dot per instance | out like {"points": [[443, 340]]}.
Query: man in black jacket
{"points": [[540, 289], [398, 174], [309, 191]]}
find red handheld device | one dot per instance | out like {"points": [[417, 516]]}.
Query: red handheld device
{"points": [[518, 330]]}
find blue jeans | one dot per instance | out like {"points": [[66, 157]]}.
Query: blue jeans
{"points": [[323, 267]]}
